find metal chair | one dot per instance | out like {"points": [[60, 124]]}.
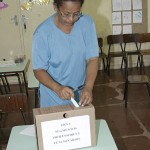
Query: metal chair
{"points": [[143, 39], [102, 55], [111, 41], [134, 79], [134, 39]]}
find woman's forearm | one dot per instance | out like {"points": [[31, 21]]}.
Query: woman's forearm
{"points": [[91, 73], [44, 78]]}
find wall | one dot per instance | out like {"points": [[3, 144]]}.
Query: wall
{"points": [[100, 10], [148, 16]]}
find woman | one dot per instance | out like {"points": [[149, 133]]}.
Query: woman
{"points": [[65, 55]]}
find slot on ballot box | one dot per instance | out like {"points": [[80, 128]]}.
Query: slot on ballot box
{"points": [[65, 127]]}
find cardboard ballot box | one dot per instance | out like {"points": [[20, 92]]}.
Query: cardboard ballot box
{"points": [[65, 127]]}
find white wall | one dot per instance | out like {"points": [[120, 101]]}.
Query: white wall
{"points": [[100, 10]]}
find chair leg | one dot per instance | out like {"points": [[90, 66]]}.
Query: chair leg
{"points": [[23, 116], [103, 64], [1, 118], [37, 97], [1, 115], [4, 85], [142, 64], [2, 134], [1, 90], [19, 82], [126, 95], [122, 62], [7, 83], [108, 65], [148, 88], [139, 61], [4, 118]]}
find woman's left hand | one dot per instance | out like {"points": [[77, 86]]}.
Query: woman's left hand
{"points": [[85, 96]]}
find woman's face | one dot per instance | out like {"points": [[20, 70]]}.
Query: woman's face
{"points": [[69, 13]]}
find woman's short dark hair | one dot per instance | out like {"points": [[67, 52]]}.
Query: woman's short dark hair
{"points": [[59, 2]]}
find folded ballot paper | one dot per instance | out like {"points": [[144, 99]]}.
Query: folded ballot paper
{"points": [[65, 127], [74, 102]]}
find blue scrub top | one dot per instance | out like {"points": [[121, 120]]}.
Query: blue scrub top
{"points": [[63, 55]]}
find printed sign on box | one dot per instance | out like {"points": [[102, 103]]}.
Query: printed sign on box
{"points": [[70, 133]]}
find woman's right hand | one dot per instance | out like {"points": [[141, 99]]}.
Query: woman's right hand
{"points": [[64, 92]]}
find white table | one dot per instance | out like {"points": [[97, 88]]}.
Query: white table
{"points": [[18, 141], [18, 68]]}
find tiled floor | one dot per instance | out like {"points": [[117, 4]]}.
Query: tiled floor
{"points": [[130, 127]]}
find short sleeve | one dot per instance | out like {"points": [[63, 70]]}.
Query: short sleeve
{"points": [[91, 40], [40, 52]]}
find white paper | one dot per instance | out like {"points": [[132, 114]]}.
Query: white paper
{"points": [[137, 16], [137, 4], [117, 30], [126, 4], [127, 29], [126, 16], [29, 131], [65, 134], [117, 5], [74, 102], [116, 18]]}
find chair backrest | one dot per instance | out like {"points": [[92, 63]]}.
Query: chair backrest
{"points": [[130, 38], [114, 39], [144, 37], [100, 44]]}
